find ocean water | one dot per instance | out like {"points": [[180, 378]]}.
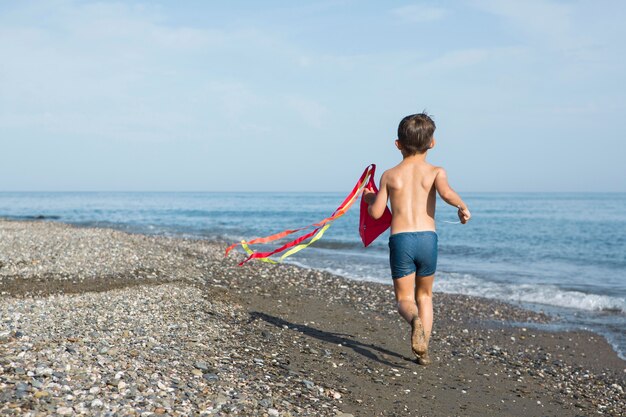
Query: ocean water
{"points": [[561, 253]]}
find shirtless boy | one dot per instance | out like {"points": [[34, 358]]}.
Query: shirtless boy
{"points": [[411, 186]]}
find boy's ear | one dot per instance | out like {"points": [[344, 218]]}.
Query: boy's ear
{"points": [[398, 144], [432, 143]]}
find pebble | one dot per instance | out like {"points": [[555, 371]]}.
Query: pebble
{"points": [[20, 386], [40, 394], [97, 403], [65, 411], [221, 399]]}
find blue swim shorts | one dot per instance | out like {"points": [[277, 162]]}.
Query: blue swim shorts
{"points": [[413, 252]]}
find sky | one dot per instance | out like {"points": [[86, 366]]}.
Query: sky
{"points": [[302, 96]]}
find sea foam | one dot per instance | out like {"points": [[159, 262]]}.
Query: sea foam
{"points": [[528, 293]]}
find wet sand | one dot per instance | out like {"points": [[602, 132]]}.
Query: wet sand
{"points": [[96, 321]]}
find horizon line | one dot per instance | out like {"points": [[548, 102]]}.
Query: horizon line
{"points": [[286, 192]]}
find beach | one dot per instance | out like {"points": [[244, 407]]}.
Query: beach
{"points": [[96, 321]]}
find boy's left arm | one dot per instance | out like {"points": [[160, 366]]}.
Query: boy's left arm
{"points": [[377, 202]]}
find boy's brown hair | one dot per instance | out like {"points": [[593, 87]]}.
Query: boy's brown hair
{"points": [[415, 133]]}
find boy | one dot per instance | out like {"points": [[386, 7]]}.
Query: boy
{"points": [[410, 186]]}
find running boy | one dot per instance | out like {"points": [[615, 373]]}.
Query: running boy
{"points": [[410, 186]]}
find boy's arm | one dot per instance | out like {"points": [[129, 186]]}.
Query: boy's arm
{"points": [[450, 196], [377, 202]]}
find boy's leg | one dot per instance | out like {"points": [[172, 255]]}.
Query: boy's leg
{"points": [[424, 298], [404, 289], [405, 296]]}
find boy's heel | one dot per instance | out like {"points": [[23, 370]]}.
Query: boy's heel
{"points": [[424, 359]]}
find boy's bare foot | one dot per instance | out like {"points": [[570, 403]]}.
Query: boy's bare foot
{"points": [[418, 339], [424, 359]]}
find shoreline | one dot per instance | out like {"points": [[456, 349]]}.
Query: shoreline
{"points": [[551, 311], [317, 344]]}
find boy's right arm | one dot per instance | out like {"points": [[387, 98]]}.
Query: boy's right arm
{"points": [[450, 196], [377, 202]]}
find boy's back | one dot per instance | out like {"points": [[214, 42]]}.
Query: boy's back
{"points": [[412, 194]]}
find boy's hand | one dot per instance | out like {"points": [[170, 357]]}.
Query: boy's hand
{"points": [[369, 195], [464, 215]]}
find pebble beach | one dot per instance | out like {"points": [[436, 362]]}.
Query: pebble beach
{"points": [[100, 322]]}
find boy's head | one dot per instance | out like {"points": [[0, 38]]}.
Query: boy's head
{"points": [[415, 134]]}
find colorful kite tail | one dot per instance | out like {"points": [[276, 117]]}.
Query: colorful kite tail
{"points": [[299, 243]]}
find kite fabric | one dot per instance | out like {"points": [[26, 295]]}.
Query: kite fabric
{"points": [[367, 228]]}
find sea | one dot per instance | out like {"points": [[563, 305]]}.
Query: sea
{"points": [[560, 253]]}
